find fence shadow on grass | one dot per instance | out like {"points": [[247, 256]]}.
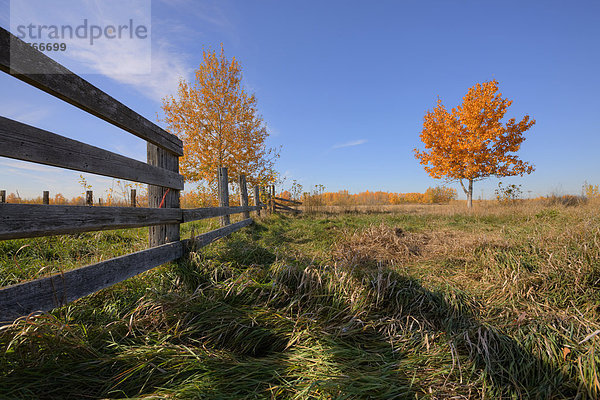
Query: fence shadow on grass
{"points": [[241, 325]]}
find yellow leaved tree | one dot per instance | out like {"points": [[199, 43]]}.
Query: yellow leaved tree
{"points": [[219, 125], [470, 142]]}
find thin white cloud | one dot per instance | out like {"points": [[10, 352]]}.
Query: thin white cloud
{"points": [[25, 165], [24, 112], [350, 144]]}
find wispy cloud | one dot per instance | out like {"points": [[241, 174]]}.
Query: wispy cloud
{"points": [[24, 112], [153, 66], [350, 144], [26, 165]]}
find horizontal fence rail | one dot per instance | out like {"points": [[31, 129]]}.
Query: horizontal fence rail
{"points": [[32, 220], [299, 203], [45, 294], [163, 215], [16, 57], [27, 143], [285, 208], [195, 214]]}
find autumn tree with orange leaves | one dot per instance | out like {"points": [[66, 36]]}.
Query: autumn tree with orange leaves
{"points": [[470, 142], [219, 125]]}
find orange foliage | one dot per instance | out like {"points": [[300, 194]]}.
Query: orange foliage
{"points": [[438, 194], [219, 125], [470, 142]]}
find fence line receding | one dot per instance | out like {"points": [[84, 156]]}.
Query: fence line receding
{"points": [[163, 216]]}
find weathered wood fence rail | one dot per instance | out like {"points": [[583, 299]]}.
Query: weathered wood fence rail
{"points": [[161, 173], [276, 204]]}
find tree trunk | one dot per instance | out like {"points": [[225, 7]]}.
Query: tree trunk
{"points": [[470, 194]]}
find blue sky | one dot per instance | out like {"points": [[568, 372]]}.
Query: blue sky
{"points": [[344, 85]]}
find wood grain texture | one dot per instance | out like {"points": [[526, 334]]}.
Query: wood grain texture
{"points": [[288, 200], [209, 237], [257, 199], [243, 195], [285, 208], [223, 190], [25, 63], [44, 294], [195, 214], [31, 220], [162, 197], [25, 142]]}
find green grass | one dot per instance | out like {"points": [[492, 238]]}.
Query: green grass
{"points": [[494, 304]]}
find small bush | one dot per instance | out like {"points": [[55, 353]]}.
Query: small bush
{"points": [[567, 200]]}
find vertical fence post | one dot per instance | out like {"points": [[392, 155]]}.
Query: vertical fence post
{"points": [[45, 197], [158, 157], [244, 195], [2, 196], [257, 199], [223, 193], [272, 199], [133, 198], [89, 198]]}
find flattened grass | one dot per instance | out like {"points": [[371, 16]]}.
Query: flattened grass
{"points": [[499, 303]]}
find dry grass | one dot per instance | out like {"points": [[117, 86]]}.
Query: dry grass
{"points": [[500, 302]]}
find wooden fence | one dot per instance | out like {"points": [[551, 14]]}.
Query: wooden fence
{"points": [[161, 172], [276, 204]]}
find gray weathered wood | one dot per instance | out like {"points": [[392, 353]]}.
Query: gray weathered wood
{"points": [[244, 195], [195, 214], [44, 294], [31, 220], [272, 198], [285, 208], [162, 197], [257, 199], [18, 58], [25, 142], [223, 187], [209, 237], [45, 197], [133, 198], [89, 197], [2, 196], [288, 200]]}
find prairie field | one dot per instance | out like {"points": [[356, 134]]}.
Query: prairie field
{"points": [[427, 302]]}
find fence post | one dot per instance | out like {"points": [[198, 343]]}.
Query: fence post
{"points": [[257, 199], [89, 198], [272, 188], [223, 193], [161, 196], [244, 195], [45, 197], [132, 197], [2, 196]]}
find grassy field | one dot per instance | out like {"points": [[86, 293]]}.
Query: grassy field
{"points": [[423, 302]]}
